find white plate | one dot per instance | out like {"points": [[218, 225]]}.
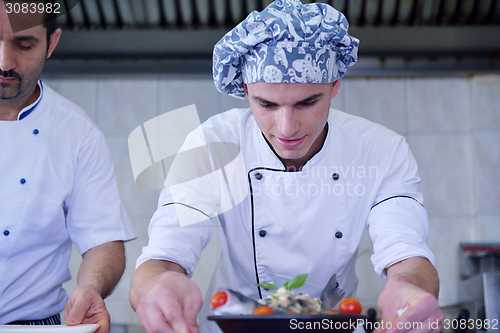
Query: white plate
{"points": [[84, 328]]}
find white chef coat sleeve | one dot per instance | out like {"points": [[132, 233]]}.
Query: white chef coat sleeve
{"points": [[95, 212], [397, 221], [195, 191], [170, 241]]}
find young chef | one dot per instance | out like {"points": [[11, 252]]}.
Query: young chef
{"points": [[57, 188], [315, 179]]}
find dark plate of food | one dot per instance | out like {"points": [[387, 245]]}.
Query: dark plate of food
{"points": [[284, 323], [284, 311]]}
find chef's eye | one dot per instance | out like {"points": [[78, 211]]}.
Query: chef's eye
{"points": [[267, 106], [24, 46], [308, 103]]}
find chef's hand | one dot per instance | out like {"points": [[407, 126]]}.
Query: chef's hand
{"points": [[411, 289], [422, 312], [86, 306], [165, 301]]}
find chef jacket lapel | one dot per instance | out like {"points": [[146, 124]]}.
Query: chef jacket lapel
{"points": [[296, 217]]}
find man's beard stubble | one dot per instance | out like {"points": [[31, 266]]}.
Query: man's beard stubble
{"points": [[5, 88]]}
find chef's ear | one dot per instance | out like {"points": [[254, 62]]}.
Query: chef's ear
{"points": [[335, 88], [54, 39], [245, 87]]}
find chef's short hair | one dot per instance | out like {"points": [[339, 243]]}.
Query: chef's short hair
{"points": [[50, 20]]}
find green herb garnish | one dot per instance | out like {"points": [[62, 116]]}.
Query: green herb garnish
{"points": [[294, 283], [267, 286]]}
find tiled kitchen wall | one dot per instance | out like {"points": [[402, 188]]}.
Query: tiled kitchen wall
{"points": [[451, 123]]}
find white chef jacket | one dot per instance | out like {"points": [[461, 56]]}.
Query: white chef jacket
{"points": [[309, 221], [57, 187]]}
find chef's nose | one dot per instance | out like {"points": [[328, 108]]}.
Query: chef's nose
{"points": [[7, 61], [287, 123]]}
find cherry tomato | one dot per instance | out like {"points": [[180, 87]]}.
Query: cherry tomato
{"points": [[218, 299], [263, 310], [350, 306]]}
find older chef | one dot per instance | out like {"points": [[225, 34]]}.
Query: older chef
{"points": [[315, 179], [57, 188]]}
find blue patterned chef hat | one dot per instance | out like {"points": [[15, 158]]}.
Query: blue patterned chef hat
{"points": [[288, 42]]}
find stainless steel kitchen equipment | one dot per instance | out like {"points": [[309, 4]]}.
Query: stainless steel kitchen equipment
{"points": [[480, 284]]}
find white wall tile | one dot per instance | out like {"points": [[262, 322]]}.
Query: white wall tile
{"points": [[438, 104], [445, 169], [227, 102], [52, 81], [486, 101], [445, 235], [134, 248], [177, 93], [338, 102], [81, 91], [121, 312], [123, 103], [118, 302], [487, 168], [380, 100], [137, 200], [489, 228]]}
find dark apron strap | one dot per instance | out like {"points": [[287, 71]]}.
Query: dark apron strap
{"points": [[54, 320]]}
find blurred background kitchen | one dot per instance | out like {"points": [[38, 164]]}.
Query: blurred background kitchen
{"points": [[427, 69]]}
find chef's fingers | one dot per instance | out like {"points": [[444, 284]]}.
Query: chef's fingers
{"points": [[67, 309], [380, 329], [173, 313], [81, 304], [192, 305], [162, 311], [152, 320], [424, 315], [102, 318]]}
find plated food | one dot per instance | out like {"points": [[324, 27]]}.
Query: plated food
{"points": [[284, 311], [283, 301]]}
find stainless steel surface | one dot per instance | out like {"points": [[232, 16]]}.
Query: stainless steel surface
{"points": [[174, 14], [476, 258], [483, 289], [491, 283], [375, 41], [157, 31]]}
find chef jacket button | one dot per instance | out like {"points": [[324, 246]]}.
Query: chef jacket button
{"points": [[22, 181], [35, 131], [6, 232], [335, 176], [262, 233], [338, 234], [258, 176]]}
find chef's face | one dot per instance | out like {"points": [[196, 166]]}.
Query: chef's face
{"points": [[292, 117], [22, 57]]}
